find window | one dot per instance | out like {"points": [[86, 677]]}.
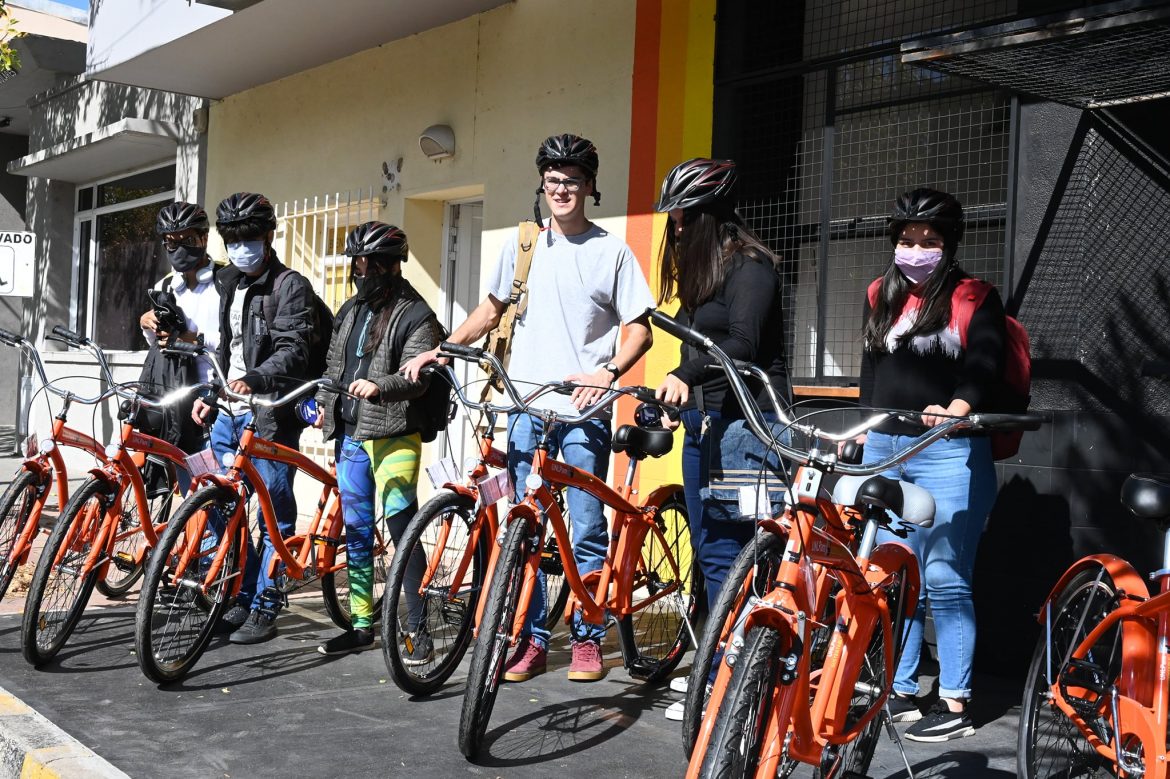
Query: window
{"points": [[119, 256]]}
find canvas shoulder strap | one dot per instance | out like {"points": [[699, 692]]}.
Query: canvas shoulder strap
{"points": [[499, 340]]}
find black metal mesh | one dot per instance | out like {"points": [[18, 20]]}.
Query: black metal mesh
{"points": [[1096, 57], [825, 147]]}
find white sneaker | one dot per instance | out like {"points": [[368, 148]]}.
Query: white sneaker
{"points": [[679, 684], [674, 712]]}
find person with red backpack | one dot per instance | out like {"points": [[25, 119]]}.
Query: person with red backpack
{"points": [[927, 348]]}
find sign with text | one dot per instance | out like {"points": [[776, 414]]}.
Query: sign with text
{"points": [[17, 255]]}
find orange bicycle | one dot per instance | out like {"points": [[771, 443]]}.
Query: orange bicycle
{"points": [[640, 585], [1096, 698], [196, 571], [106, 529], [43, 469], [772, 707], [434, 584]]}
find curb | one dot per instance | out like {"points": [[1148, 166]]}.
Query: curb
{"points": [[32, 747]]}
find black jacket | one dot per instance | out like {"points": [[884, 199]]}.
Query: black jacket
{"points": [[274, 359], [413, 330]]}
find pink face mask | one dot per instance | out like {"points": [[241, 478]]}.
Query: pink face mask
{"points": [[915, 263]]}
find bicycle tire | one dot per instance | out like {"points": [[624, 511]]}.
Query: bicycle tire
{"points": [[764, 546], [16, 506], [1049, 743], [58, 594], [658, 634], [335, 585], [166, 649], [743, 717], [447, 626], [490, 651], [857, 754], [123, 572]]}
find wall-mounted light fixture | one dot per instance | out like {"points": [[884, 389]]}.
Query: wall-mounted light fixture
{"points": [[437, 142]]}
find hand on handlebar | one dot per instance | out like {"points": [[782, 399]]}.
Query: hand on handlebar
{"points": [[934, 414], [593, 387], [240, 387], [201, 411], [415, 365], [673, 390], [364, 389]]}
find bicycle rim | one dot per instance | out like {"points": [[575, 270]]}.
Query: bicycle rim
{"points": [[16, 506], [1050, 745], [443, 613], [176, 614], [127, 559]]}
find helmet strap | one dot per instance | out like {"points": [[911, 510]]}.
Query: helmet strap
{"points": [[536, 206]]}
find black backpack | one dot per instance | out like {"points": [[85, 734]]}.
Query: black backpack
{"points": [[322, 332], [434, 408]]}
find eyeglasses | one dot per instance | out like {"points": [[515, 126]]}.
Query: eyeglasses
{"points": [[570, 184], [170, 244]]}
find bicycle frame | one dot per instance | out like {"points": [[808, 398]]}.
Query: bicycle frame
{"points": [[1143, 698], [813, 559]]}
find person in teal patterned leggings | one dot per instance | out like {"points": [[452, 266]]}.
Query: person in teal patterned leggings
{"points": [[375, 426]]}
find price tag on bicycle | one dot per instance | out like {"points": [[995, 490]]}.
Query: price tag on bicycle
{"points": [[442, 472], [494, 488], [202, 463], [31, 445]]}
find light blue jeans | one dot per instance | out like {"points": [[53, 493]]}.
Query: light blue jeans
{"points": [[584, 446], [255, 590], [960, 474]]}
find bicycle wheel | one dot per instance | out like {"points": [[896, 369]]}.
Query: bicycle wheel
{"points": [[176, 616], [759, 559], [658, 633], [491, 648], [124, 568], [742, 719], [16, 506], [59, 590], [857, 754], [443, 615], [1050, 744], [335, 585]]}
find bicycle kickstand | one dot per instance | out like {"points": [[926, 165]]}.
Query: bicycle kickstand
{"points": [[897, 739]]}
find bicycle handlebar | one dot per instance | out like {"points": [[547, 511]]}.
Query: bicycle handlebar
{"points": [[70, 336]]}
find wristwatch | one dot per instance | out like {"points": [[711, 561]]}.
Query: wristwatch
{"points": [[609, 366]]}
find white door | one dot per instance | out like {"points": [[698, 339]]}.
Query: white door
{"points": [[460, 290]]}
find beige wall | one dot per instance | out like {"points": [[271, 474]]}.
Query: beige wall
{"points": [[503, 80]]}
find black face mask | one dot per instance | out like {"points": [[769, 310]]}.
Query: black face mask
{"points": [[371, 287], [185, 258]]}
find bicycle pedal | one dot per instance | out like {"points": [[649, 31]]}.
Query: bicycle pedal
{"points": [[1086, 676], [453, 611], [123, 561], [642, 667]]}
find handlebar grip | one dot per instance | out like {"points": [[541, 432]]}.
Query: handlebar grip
{"points": [[852, 452], [460, 350], [9, 338], [1156, 369], [69, 335], [183, 347], [679, 331], [1011, 421]]}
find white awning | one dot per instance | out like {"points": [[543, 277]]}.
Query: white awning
{"points": [[122, 146]]}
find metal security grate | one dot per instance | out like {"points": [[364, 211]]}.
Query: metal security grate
{"points": [[1093, 57]]}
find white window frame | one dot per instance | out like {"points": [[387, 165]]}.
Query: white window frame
{"points": [[92, 215]]}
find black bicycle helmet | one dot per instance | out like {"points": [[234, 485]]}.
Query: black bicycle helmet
{"points": [[246, 207], [376, 238], [696, 182], [567, 149], [180, 216], [940, 210]]}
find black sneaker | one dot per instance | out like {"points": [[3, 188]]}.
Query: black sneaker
{"points": [[941, 724], [356, 640], [259, 627], [904, 709], [419, 648], [233, 619]]}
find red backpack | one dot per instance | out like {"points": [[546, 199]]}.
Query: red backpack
{"points": [[1015, 392]]}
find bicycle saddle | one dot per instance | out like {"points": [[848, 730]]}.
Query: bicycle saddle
{"points": [[638, 442], [1147, 495], [908, 501]]}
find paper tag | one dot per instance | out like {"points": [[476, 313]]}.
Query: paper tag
{"points": [[494, 488], [754, 501], [202, 463], [31, 445], [443, 472]]}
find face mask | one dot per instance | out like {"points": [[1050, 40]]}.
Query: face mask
{"points": [[917, 264], [185, 258], [248, 256]]}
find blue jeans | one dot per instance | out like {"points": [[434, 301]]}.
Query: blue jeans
{"points": [[960, 474], [584, 446], [278, 478]]}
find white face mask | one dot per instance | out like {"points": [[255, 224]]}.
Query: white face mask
{"points": [[248, 256], [916, 263]]}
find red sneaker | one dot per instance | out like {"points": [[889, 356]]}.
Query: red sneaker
{"points": [[586, 665], [530, 659]]}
